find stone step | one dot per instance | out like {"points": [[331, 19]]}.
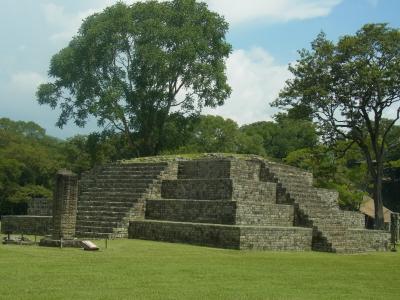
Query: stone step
{"points": [[118, 181], [105, 196], [105, 206], [133, 173], [277, 167], [287, 183], [298, 185], [104, 213], [316, 210], [132, 168], [328, 215], [100, 223], [224, 236], [125, 176], [144, 167], [112, 190], [291, 179], [101, 217], [95, 229], [305, 196], [109, 195], [317, 205], [121, 202], [100, 235]]}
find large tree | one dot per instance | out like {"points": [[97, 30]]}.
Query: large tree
{"points": [[130, 66], [350, 86]]}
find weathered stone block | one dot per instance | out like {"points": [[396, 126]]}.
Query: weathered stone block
{"points": [[224, 236], [65, 205], [196, 211]]}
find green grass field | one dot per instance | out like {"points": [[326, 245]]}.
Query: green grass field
{"points": [[132, 269]]}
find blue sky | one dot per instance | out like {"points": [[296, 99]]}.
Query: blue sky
{"points": [[265, 35]]}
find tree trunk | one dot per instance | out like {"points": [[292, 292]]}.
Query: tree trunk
{"points": [[161, 129], [377, 193]]}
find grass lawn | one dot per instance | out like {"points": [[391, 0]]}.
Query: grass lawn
{"points": [[133, 269]]}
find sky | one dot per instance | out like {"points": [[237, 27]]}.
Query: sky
{"points": [[265, 35]]}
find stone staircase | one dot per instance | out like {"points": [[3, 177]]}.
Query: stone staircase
{"points": [[110, 196], [221, 203], [334, 230]]}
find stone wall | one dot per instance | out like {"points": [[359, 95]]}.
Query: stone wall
{"points": [[196, 211], [353, 219], [219, 168], [34, 225], [264, 214], [204, 169], [224, 236], [205, 189], [244, 169], [254, 191], [276, 238], [371, 240], [328, 196], [219, 189]]}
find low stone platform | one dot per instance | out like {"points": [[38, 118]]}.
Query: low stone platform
{"points": [[224, 236], [31, 225]]}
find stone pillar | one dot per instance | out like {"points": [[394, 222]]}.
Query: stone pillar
{"points": [[394, 227], [65, 205]]}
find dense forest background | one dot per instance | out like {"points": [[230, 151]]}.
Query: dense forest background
{"points": [[29, 158]]}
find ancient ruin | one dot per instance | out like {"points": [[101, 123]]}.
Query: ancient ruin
{"points": [[217, 201], [246, 203]]}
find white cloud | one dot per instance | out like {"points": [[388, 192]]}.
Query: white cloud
{"points": [[67, 24], [256, 80], [239, 11], [26, 82], [235, 11]]}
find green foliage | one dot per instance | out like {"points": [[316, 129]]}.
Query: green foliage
{"points": [[334, 173], [349, 87], [129, 66], [283, 136], [212, 134], [28, 161], [178, 131], [349, 198], [30, 191], [318, 160]]}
